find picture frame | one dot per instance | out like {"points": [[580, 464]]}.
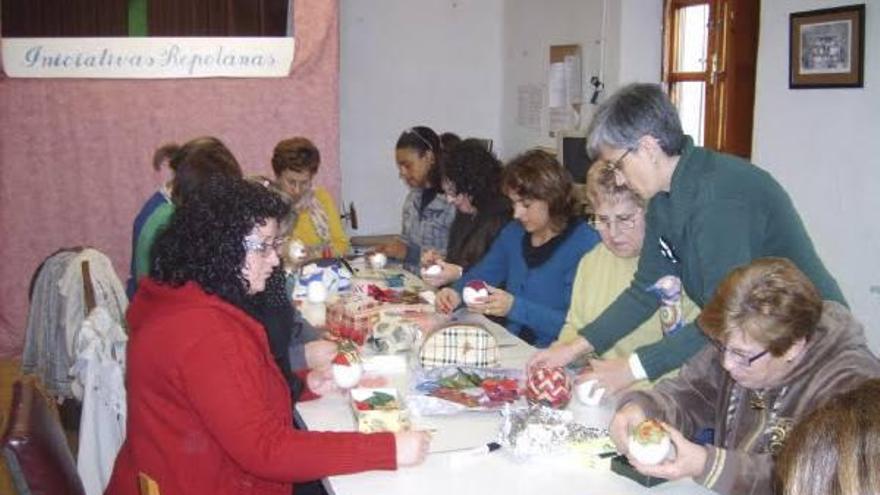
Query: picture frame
{"points": [[827, 48]]}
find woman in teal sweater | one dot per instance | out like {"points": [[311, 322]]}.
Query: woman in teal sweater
{"points": [[707, 213], [535, 258]]}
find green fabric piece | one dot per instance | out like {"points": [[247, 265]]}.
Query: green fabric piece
{"points": [[152, 227], [137, 18]]}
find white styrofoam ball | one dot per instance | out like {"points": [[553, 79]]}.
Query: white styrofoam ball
{"points": [[652, 452], [296, 250], [587, 395], [474, 291], [433, 270], [316, 292], [378, 260], [347, 376]]}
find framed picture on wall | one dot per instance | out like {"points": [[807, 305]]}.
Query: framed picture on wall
{"points": [[827, 48]]}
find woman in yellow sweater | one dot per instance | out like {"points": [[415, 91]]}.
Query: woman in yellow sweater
{"points": [[295, 162], [604, 272]]}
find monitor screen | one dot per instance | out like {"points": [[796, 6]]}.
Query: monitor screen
{"points": [[574, 157]]}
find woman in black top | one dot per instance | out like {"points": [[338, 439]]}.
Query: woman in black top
{"points": [[470, 177]]}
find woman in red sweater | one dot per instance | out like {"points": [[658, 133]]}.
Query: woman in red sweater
{"points": [[208, 410]]}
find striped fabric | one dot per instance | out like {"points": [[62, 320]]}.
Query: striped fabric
{"points": [[459, 345]]}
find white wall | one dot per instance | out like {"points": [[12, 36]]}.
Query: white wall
{"points": [[530, 28], [821, 144], [405, 63]]}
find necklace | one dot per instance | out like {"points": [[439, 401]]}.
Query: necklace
{"points": [[775, 429]]}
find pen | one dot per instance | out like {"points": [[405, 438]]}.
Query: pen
{"points": [[605, 455]]}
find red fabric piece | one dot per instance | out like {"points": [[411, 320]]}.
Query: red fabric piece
{"points": [[208, 410], [76, 154]]}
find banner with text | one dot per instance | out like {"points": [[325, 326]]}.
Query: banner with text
{"points": [[147, 58]]}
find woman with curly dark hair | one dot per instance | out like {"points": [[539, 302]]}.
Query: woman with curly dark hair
{"points": [[534, 257], [471, 178], [208, 410]]}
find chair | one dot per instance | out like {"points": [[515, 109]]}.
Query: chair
{"points": [[35, 447], [147, 485]]}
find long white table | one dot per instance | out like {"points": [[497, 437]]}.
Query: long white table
{"points": [[446, 472]]}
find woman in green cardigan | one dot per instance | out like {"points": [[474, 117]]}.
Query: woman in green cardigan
{"points": [[708, 213]]}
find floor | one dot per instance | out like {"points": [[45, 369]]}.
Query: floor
{"points": [[9, 372]]}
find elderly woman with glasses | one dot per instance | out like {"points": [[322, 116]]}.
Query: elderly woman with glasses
{"points": [[780, 351], [534, 257], [427, 215], [707, 213], [208, 409], [606, 271], [295, 162], [471, 179]]}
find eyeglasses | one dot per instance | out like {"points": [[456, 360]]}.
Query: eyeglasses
{"points": [[623, 222], [263, 248], [615, 166], [739, 358]]}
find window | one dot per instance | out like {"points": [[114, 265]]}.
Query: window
{"points": [[710, 48], [95, 18]]}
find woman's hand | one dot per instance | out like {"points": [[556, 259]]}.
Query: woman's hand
{"points": [[498, 303], [447, 300], [320, 353], [613, 375], [412, 447], [449, 272], [689, 459], [320, 381], [625, 421], [394, 249], [559, 355], [430, 257]]}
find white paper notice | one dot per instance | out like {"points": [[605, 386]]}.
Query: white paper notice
{"points": [[556, 85], [574, 90], [530, 98]]}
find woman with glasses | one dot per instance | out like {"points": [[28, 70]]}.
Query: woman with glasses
{"points": [[707, 213], [471, 177], [295, 162], [427, 216], [208, 410], [606, 271], [780, 351], [534, 257]]}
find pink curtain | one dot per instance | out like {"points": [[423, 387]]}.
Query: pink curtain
{"points": [[75, 154]]}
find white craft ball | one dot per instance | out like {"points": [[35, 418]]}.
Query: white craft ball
{"points": [[650, 454], [347, 376], [588, 394], [378, 260], [472, 296], [433, 270]]}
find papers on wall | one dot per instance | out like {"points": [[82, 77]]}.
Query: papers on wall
{"points": [[564, 82], [530, 99]]}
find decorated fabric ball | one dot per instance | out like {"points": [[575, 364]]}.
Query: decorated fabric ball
{"points": [[433, 270], [474, 291], [549, 386], [347, 368], [377, 260], [649, 443]]}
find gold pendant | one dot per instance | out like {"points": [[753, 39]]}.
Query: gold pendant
{"points": [[756, 401]]}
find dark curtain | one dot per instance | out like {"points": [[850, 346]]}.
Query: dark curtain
{"points": [[217, 17], [60, 18]]}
